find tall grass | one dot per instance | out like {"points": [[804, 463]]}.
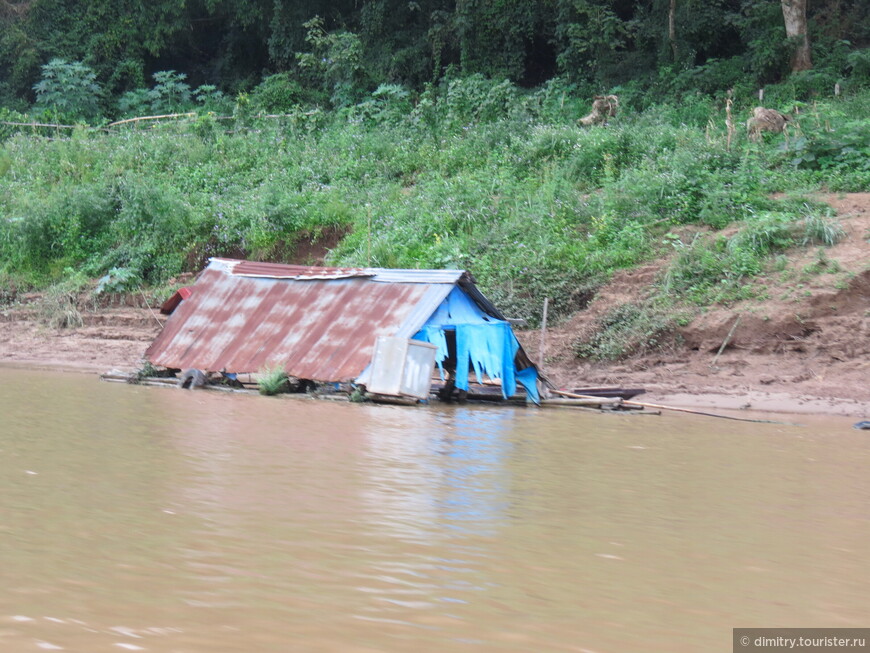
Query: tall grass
{"points": [[272, 381], [477, 175]]}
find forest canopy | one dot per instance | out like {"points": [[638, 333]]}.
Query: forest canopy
{"points": [[333, 53]]}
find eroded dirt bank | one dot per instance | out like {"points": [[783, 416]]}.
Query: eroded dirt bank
{"points": [[804, 346]]}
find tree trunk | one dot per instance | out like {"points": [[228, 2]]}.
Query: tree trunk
{"points": [[795, 14], [672, 27]]}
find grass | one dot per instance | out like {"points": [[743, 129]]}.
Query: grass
{"points": [[531, 203], [273, 381], [632, 328], [58, 307]]}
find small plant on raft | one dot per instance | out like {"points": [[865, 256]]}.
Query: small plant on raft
{"points": [[358, 395], [147, 370], [273, 381]]}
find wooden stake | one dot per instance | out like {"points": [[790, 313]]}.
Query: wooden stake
{"points": [[543, 347], [726, 341], [369, 237], [729, 123]]}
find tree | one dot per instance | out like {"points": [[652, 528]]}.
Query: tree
{"points": [[795, 14], [70, 89]]}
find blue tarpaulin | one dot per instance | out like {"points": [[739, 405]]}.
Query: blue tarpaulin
{"points": [[482, 342]]}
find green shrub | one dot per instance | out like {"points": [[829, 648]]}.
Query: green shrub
{"points": [[273, 381], [858, 64], [334, 64], [820, 230], [847, 147], [69, 90], [209, 98], [277, 94], [135, 103], [708, 271], [170, 93]]}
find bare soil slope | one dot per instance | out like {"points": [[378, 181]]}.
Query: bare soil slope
{"points": [[110, 337], [804, 347]]}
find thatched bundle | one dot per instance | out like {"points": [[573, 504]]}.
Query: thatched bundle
{"points": [[766, 120], [603, 107]]}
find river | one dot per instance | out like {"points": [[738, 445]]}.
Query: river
{"points": [[151, 519]]}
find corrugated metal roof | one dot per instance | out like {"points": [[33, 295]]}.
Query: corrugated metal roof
{"points": [[416, 276], [316, 323], [284, 271], [303, 272]]}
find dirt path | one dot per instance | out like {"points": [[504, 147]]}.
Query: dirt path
{"points": [[805, 347]]}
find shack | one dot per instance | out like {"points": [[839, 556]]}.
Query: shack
{"points": [[328, 324]]}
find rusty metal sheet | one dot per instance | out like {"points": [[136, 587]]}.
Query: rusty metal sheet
{"points": [[177, 297], [284, 271], [315, 328]]}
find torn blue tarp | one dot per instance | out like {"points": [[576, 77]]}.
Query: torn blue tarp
{"points": [[435, 335], [484, 343], [528, 377]]}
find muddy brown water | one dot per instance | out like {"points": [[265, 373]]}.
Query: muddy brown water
{"points": [[150, 519]]}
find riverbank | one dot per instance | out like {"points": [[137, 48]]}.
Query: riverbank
{"points": [[115, 338], [800, 345]]}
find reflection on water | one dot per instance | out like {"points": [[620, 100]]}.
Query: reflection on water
{"points": [[160, 520]]}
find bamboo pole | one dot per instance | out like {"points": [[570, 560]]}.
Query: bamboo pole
{"points": [[584, 401], [692, 411], [37, 124], [168, 115]]}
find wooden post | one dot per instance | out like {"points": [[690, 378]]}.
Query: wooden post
{"points": [[369, 237], [726, 341], [543, 347], [729, 124]]}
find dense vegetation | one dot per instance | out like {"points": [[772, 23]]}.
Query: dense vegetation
{"points": [[424, 134], [338, 52], [476, 175]]}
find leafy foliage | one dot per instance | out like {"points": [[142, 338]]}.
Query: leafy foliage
{"points": [[170, 92], [335, 62], [342, 50], [69, 90], [845, 148], [473, 173]]}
